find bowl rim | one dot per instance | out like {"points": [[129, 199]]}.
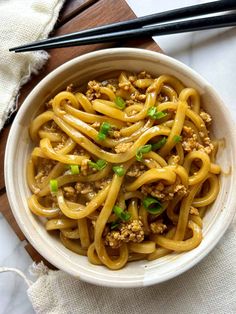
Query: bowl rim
{"points": [[8, 169]]}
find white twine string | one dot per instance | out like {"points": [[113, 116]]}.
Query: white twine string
{"points": [[18, 272]]}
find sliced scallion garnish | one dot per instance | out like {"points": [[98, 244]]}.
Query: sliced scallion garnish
{"points": [[120, 213], [53, 186], [74, 169], [104, 129], [151, 112], [120, 102], [154, 114], [159, 144], [177, 138], [160, 115], [119, 170], [98, 165], [152, 205], [101, 164], [101, 136], [143, 150]]}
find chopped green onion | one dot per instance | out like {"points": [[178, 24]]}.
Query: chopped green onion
{"points": [[119, 170], [114, 224], [101, 136], [117, 210], [120, 102], [120, 213], [99, 165], [154, 114], [159, 144], [143, 150], [151, 112], [53, 186], [74, 169], [160, 114], [104, 129], [177, 138], [125, 216], [152, 205]]}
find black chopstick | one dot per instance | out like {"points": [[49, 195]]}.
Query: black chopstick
{"points": [[225, 20], [186, 12]]}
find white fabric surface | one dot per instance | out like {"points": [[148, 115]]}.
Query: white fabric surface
{"points": [[22, 22]]}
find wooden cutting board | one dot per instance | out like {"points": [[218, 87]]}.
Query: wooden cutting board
{"points": [[75, 15]]}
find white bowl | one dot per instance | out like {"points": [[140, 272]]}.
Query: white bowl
{"points": [[19, 146]]}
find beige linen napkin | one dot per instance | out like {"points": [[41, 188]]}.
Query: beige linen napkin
{"points": [[22, 22], [209, 288]]}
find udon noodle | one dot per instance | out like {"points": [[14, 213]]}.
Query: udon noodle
{"points": [[124, 169]]}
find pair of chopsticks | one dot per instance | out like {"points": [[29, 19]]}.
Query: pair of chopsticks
{"points": [[144, 26]]}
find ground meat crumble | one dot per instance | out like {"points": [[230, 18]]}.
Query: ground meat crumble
{"points": [[116, 134], [93, 91], [190, 141], [70, 193], [127, 232], [143, 75], [158, 227], [123, 147], [84, 188], [136, 170], [137, 97], [164, 192], [43, 170], [205, 117], [101, 184]]}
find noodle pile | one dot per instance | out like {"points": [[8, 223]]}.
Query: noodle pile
{"points": [[124, 170]]}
